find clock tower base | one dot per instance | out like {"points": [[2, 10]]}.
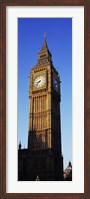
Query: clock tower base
{"points": [[43, 165]]}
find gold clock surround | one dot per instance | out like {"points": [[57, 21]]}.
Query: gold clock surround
{"points": [[39, 81]]}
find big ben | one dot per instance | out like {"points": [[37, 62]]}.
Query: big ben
{"points": [[43, 157]]}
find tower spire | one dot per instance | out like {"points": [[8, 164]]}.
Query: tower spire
{"points": [[45, 42], [44, 55], [44, 46], [44, 37]]}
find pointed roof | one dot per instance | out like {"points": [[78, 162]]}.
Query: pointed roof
{"points": [[45, 46]]}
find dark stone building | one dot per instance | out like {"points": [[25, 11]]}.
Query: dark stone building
{"points": [[43, 160]]}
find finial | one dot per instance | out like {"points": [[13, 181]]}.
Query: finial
{"points": [[44, 37], [20, 145], [69, 164]]}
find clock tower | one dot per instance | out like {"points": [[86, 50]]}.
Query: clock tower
{"points": [[44, 129], [43, 159]]}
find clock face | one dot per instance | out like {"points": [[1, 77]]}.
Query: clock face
{"points": [[55, 84], [39, 81]]}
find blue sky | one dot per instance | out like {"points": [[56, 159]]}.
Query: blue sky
{"points": [[59, 39]]}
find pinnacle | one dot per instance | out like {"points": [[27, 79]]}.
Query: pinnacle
{"points": [[45, 38], [45, 46]]}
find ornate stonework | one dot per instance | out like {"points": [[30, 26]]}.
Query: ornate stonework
{"points": [[44, 129]]}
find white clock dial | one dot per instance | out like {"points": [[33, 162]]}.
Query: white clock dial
{"points": [[40, 81], [55, 83]]}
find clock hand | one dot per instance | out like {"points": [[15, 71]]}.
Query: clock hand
{"points": [[39, 81]]}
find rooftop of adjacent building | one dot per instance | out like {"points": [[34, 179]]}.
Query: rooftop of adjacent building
{"points": [[68, 172]]}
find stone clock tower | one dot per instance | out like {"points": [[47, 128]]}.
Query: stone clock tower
{"points": [[44, 154]]}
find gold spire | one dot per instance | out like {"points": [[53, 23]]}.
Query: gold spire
{"points": [[44, 37], [45, 43], [44, 47], [44, 34], [44, 51]]}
